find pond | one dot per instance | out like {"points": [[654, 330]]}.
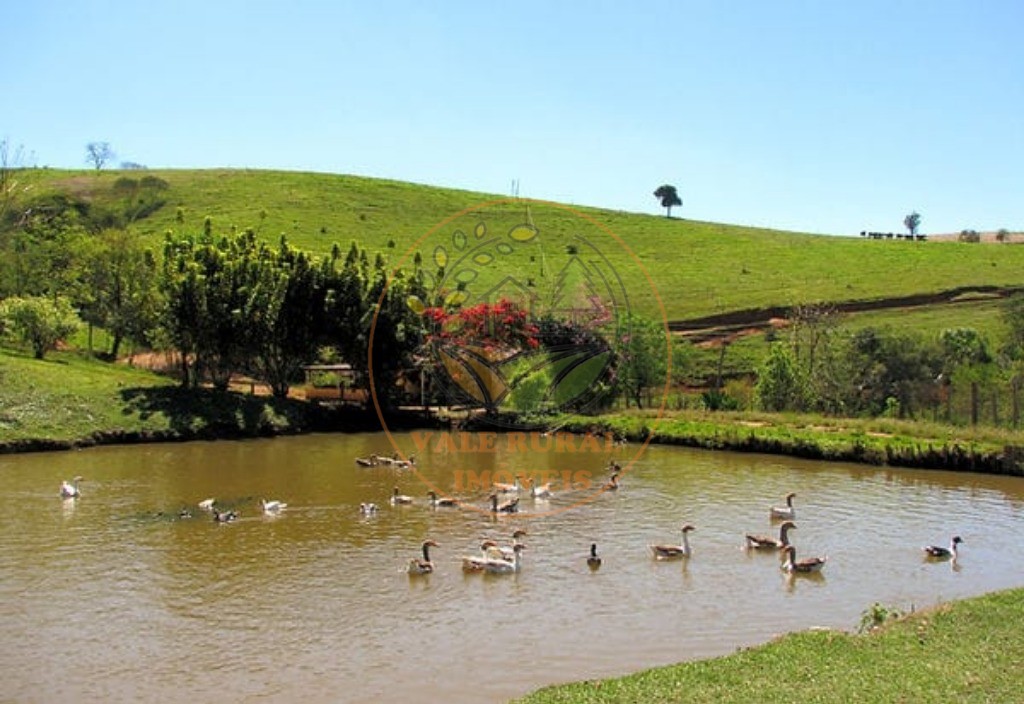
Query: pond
{"points": [[114, 597]]}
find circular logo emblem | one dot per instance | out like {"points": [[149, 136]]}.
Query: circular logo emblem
{"points": [[524, 311]]}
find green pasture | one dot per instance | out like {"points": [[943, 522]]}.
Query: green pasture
{"points": [[961, 652], [685, 268]]}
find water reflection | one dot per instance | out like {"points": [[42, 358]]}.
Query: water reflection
{"points": [[155, 594]]}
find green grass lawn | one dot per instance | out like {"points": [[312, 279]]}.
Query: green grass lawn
{"points": [[73, 398], [699, 268], [963, 652]]}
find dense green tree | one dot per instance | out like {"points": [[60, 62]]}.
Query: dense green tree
{"points": [[40, 321], [346, 306], [891, 369], [966, 359], [780, 383], [397, 332], [912, 222], [206, 287], [289, 315], [669, 197], [643, 349], [118, 287]]}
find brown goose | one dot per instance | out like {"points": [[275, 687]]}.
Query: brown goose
{"points": [[805, 566], [764, 542], [669, 552], [506, 507], [940, 553], [424, 566]]}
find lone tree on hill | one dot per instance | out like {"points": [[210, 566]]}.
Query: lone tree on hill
{"points": [[98, 154], [669, 197], [911, 222]]}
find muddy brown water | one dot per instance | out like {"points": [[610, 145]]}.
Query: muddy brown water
{"points": [[114, 597]]}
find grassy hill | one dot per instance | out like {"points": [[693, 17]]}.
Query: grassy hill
{"points": [[698, 268]]}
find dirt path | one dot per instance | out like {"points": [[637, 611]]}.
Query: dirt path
{"points": [[726, 327]]}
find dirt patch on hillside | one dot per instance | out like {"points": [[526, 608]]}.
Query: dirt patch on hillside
{"points": [[725, 328]]}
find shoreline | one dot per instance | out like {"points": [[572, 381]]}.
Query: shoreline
{"points": [[916, 446]]}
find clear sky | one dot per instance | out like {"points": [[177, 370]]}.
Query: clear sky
{"points": [[816, 116]]}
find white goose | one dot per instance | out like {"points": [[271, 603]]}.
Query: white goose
{"points": [[940, 553], [207, 504], [669, 552], [806, 566], [399, 499], [540, 491], [501, 488], [476, 563], [764, 542], [272, 508], [506, 566], [424, 566], [507, 552], [69, 490], [397, 461], [786, 512]]}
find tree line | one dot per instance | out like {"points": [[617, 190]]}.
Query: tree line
{"points": [[819, 366]]}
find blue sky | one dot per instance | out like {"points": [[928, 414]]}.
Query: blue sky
{"points": [[826, 117]]}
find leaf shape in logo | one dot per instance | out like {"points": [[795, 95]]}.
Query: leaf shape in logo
{"points": [[456, 298], [441, 256], [465, 276], [415, 305], [471, 373], [522, 233], [480, 231], [576, 374], [483, 258], [459, 240]]}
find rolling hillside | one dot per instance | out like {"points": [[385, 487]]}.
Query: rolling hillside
{"points": [[697, 269]]}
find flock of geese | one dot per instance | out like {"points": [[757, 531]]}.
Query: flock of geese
{"points": [[498, 559], [69, 490]]}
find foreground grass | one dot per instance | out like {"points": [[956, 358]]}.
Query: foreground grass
{"points": [[961, 652]]}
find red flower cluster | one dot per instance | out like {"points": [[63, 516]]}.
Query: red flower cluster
{"points": [[499, 326]]}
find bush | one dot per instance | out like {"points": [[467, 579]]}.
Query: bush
{"points": [[40, 321]]}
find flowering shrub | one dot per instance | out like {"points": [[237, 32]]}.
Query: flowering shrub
{"points": [[499, 329]]}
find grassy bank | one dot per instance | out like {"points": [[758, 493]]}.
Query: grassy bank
{"points": [[877, 441], [961, 652], [70, 399]]}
